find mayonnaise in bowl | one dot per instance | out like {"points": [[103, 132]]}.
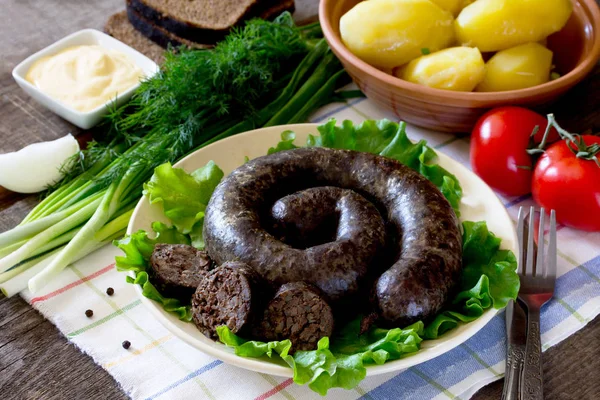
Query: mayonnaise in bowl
{"points": [[85, 77]]}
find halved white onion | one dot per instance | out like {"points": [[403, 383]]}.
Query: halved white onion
{"points": [[37, 166]]}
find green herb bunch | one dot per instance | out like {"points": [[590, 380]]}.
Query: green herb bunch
{"points": [[262, 74]]}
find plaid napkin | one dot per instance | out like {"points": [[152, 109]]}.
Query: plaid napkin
{"points": [[159, 365]]}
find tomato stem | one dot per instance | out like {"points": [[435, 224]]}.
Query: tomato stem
{"points": [[539, 149], [545, 137], [575, 142]]}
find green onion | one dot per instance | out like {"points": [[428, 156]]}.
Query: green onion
{"points": [[263, 74]]}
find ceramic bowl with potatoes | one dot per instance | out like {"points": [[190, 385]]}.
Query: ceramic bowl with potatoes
{"points": [[441, 64]]}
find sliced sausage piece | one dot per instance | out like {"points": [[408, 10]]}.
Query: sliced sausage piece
{"points": [[177, 269], [233, 295], [297, 312]]}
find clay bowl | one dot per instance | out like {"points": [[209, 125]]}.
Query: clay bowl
{"points": [[576, 50]]}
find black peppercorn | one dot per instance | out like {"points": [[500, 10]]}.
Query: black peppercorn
{"points": [[126, 344], [89, 313], [110, 291]]}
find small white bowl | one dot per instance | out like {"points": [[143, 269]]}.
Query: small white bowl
{"points": [[84, 120]]}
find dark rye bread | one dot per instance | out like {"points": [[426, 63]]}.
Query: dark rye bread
{"points": [[276, 9], [157, 34], [206, 21], [118, 26], [121, 27]]}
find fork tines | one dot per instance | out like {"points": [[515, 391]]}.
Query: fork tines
{"points": [[532, 263]]}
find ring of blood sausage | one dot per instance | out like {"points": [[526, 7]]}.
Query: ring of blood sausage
{"points": [[326, 217]]}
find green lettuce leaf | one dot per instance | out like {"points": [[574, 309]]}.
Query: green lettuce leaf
{"points": [[250, 348], [445, 181], [138, 248], [184, 196], [489, 278], [385, 138], [482, 256], [183, 311], [501, 272], [468, 305], [341, 365], [479, 245], [286, 143]]}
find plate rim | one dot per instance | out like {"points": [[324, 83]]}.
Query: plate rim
{"points": [[225, 353]]}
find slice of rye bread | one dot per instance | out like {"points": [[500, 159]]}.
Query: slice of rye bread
{"points": [[119, 27], [157, 34], [207, 21]]}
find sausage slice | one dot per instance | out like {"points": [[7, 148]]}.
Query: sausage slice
{"points": [[231, 295], [297, 312], [178, 268]]}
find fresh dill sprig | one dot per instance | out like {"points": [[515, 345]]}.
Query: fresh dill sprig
{"points": [[194, 90]]}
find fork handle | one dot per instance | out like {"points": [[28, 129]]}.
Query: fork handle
{"points": [[515, 356], [533, 382]]}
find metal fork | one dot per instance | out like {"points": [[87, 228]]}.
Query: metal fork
{"points": [[537, 287]]}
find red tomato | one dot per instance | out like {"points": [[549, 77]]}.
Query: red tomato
{"points": [[498, 148], [569, 185]]}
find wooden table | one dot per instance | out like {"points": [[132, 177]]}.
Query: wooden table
{"points": [[36, 361]]}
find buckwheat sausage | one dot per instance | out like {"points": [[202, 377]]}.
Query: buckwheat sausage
{"points": [[297, 312], [311, 217], [233, 295], [416, 223], [336, 268], [176, 269]]}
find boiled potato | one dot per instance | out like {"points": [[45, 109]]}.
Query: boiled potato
{"points": [[517, 68], [454, 6], [493, 25], [456, 68], [389, 33]]}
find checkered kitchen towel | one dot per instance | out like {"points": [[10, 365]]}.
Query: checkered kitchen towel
{"points": [[160, 366]]}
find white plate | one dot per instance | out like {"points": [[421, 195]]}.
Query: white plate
{"points": [[84, 120], [479, 203]]}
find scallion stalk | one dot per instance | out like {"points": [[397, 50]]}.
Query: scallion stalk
{"points": [[15, 280], [27, 231], [47, 235], [199, 97]]}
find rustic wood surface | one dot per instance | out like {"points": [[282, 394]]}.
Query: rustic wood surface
{"points": [[37, 362]]}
